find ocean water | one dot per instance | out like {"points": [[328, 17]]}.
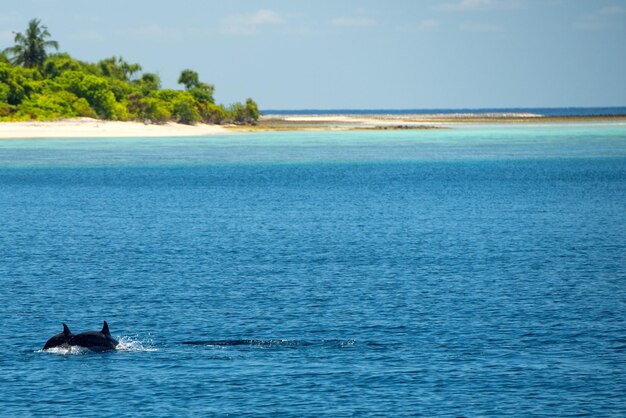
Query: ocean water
{"points": [[465, 272]]}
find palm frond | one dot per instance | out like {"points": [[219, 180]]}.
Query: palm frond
{"points": [[30, 47]]}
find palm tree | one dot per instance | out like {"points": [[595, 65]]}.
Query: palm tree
{"points": [[30, 48]]}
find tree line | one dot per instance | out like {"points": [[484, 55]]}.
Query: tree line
{"points": [[35, 85]]}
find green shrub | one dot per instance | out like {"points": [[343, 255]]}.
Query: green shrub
{"points": [[236, 112], [17, 92], [119, 112], [155, 110], [56, 64], [212, 113], [184, 109], [203, 93], [5, 110], [244, 114], [5, 72], [120, 89], [94, 89], [4, 93], [252, 110], [45, 107], [149, 83], [168, 95], [82, 109], [189, 79], [20, 81]]}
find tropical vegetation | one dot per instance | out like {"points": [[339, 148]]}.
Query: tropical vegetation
{"points": [[35, 85]]}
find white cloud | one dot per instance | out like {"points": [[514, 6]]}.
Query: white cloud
{"points": [[428, 24], [477, 5], [590, 22], [613, 10], [9, 18], [88, 35], [604, 18], [480, 27], [463, 5], [246, 24], [86, 18], [423, 26], [265, 17], [354, 22], [152, 32]]}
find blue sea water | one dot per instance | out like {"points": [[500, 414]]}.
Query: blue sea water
{"points": [[465, 272]]}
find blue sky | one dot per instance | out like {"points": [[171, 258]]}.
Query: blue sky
{"points": [[291, 54]]}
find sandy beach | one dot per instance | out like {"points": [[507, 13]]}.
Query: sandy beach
{"points": [[93, 128]]}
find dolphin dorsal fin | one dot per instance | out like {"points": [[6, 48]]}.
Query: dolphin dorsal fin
{"points": [[66, 330], [105, 329]]}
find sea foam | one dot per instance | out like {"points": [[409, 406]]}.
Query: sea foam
{"points": [[126, 343]]}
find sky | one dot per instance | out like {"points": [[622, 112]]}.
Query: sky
{"points": [[367, 54]]}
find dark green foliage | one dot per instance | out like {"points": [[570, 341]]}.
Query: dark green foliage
{"points": [[189, 79], [96, 90], [35, 86], [5, 109], [108, 68], [5, 72], [50, 106], [58, 63], [184, 109], [155, 110], [167, 95], [237, 112], [118, 68], [129, 70], [82, 109], [16, 92], [120, 89], [20, 81], [212, 113], [4, 92], [252, 110], [244, 114], [30, 48], [203, 93], [149, 83]]}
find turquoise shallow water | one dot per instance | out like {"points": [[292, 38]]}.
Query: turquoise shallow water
{"points": [[466, 143], [474, 271]]}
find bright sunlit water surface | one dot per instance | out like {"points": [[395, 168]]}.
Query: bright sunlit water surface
{"points": [[471, 271]]}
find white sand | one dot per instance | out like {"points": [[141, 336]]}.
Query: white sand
{"points": [[90, 128], [393, 119]]}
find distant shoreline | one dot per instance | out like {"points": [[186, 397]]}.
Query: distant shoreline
{"points": [[95, 128], [339, 122], [539, 111]]}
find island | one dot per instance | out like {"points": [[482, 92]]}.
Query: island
{"points": [[44, 95], [38, 86]]}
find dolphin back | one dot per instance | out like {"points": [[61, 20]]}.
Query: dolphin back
{"points": [[95, 340], [62, 338]]}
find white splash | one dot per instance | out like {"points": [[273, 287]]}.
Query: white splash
{"points": [[66, 350], [135, 344]]}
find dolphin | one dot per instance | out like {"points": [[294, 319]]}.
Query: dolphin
{"points": [[62, 338], [95, 340]]}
